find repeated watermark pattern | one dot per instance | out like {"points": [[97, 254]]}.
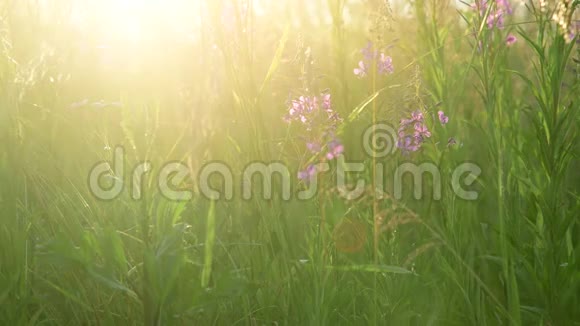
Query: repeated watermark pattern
{"points": [[379, 141]]}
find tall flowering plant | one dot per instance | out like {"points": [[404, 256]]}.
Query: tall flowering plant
{"points": [[413, 132], [319, 123], [494, 13], [498, 10], [370, 55]]}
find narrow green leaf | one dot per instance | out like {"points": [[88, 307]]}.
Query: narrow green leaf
{"points": [[372, 269], [209, 244], [276, 60]]}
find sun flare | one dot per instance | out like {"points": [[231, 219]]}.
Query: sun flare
{"points": [[136, 21]]}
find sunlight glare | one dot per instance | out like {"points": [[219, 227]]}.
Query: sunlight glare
{"points": [[132, 22]]}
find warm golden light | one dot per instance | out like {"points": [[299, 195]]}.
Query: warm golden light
{"points": [[137, 21]]}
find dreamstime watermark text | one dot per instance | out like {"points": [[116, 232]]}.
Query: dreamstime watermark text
{"points": [[216, 180]]}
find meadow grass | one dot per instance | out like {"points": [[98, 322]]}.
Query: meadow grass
{"points": [[212, 81]]}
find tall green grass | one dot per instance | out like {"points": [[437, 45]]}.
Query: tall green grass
{"points": [[511, 257]]}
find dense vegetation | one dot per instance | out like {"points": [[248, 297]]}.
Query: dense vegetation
{"points": [[490, 87]]}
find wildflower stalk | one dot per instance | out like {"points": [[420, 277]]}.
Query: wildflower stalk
{"points": [[375, 210], [337, 7], [494, 83], [376, 228], [322, 226], [553, 115], [494, 110]]}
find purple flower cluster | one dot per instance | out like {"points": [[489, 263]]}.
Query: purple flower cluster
{"points": [[320, 121], [497, 12], [442, 117], [384, 62], [312, 111], [511, 40], [413, 132]]}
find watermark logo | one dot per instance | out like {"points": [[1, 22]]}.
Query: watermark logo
{"points": [[216, 180], [380, 140]]}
